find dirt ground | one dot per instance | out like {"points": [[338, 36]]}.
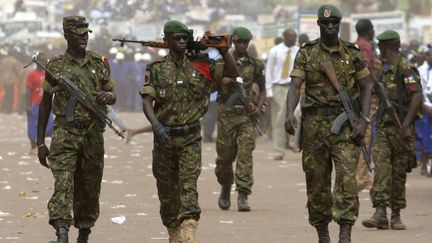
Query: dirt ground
{"points": [[128, 189]]}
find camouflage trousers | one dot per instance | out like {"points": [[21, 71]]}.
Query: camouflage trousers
{"points": [[77, 165], [391, 155], [236, 138], [321, 148], [176, 167]]}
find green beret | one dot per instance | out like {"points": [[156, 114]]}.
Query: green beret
{"points": [[389, 35], [175, 26], [76, 24], [241, 33], [328, 10]]}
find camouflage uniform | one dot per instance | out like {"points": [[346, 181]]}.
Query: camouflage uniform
{"points": [[181, 96], [77, 148], [321, 147], [236, 130], [392, 155]]}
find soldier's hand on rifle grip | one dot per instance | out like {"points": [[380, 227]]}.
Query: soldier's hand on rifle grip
{"points": [[359, 131], [104, 97], [43, 152], [254, 111], [160, 133], [290, 123]]}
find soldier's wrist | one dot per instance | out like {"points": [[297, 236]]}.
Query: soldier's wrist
{"points": [[41, 145]]}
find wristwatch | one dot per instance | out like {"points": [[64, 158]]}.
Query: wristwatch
{"points": [[367, 119]]}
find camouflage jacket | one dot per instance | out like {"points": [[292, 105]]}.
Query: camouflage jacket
{"points": [[252, 71], [348, 64], [181, 92], [90, 74], [400, 80]]}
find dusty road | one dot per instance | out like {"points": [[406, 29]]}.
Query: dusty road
{"points": [[278, 200]]}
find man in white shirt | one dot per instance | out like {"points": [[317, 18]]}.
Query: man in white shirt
{"points": [[424, 125], [280, 62]]}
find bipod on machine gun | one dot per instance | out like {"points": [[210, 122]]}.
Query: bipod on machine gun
{"points": [[76, 95]]}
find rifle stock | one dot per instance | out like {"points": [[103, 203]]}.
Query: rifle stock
{"points": [[348, 107]]}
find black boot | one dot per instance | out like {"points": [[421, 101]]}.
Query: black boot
{"points": [[242, 202], [62, 235], [323, 233], [395, 220], [379, 219], [345, 233], [224, 198], [83, 235]]}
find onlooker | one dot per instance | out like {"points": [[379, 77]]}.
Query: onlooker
{"points": [[303, 38], [424, 124], [366, 33], [280, 62], [33, 98], [11, 74]]}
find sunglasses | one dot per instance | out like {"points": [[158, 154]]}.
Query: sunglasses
{"points": [[179, 37], [329, 21]]}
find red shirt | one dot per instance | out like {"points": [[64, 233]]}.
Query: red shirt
{"points": [[366, 49], [34, 83]]}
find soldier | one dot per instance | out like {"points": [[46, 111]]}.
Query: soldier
{"points": [[180, 89], [321, 106], [236, 130], [76, 155], [394, 149]]}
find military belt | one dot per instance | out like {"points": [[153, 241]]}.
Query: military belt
{"points": [[74, 124], [236, 109], [284, 84], [323, 111], [176, 131]]}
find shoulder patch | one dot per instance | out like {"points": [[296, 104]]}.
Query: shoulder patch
{"points": [[94, 54], [54, 59], [351, 45], [310, 43]]}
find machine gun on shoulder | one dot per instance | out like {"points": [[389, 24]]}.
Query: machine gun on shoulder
{"points": [[193, 46]]}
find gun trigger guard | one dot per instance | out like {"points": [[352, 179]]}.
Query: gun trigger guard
{"points": [[338, 122]]}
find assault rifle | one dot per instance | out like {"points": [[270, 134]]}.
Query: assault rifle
{"points": [[76, 95], [348, 113], [193, 46], [387, 104], [246, 101]]}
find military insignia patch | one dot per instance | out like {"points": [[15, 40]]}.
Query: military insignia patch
{"points": [[327, 12]]}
